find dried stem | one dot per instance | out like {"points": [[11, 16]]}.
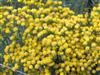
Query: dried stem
{"points": [[1, 65]]}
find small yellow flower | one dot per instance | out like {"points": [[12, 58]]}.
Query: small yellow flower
{"points": [[7, 30], [93, 71], [6, 13], [67, 68], [62, 73], [36, 66], [82, 68], [25, 69], [93, 44], [68, 50], [1, 16], [31, 67], [12, 37]]}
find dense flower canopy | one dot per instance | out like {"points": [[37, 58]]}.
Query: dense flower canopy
{"points": [[46, 38]]}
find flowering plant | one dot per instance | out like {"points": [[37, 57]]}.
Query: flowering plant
{"points": [[45, 38]]}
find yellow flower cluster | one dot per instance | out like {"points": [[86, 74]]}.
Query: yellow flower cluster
{"points": [[51, 40]]}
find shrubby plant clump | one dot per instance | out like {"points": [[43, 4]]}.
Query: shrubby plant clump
{"points": [[48, 39]]}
